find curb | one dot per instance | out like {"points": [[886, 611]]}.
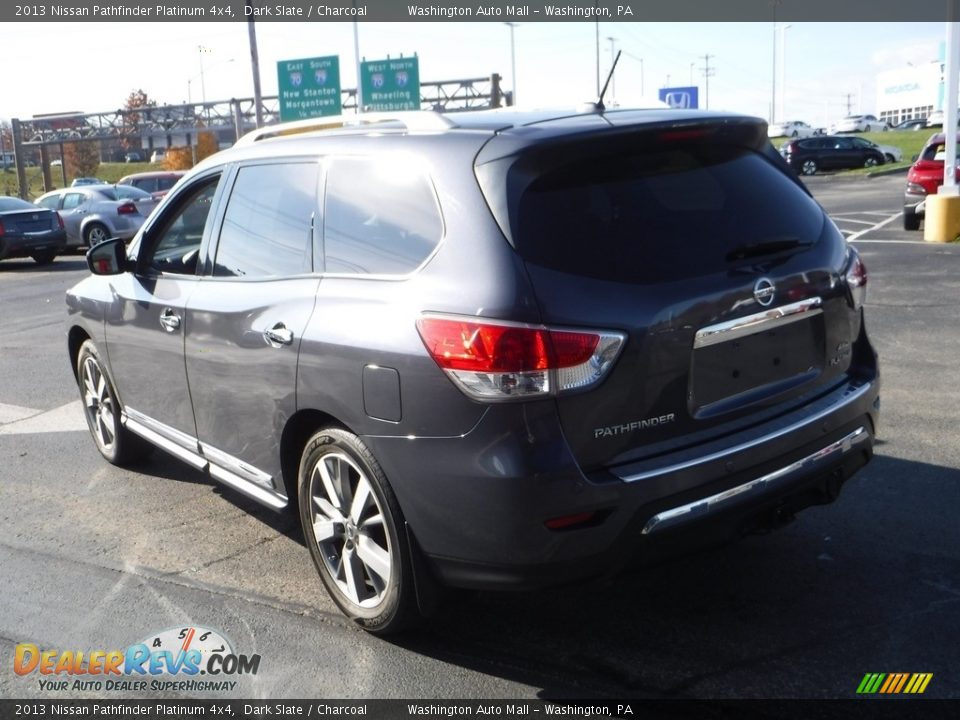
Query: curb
{"points": [[891, 171]]}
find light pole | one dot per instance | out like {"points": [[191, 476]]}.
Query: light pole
{"points": [[513, 62], [201, 76], [783, 71], [203, 88]]}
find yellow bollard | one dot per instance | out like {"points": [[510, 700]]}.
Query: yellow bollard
{"points": [[941, 221]]}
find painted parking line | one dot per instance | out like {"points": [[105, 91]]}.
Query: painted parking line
{"points": [[889, 242], [24, 421], [859, 222], [876, 226]]}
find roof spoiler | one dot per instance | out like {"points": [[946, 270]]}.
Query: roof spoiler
{"points": [[410, 119]]}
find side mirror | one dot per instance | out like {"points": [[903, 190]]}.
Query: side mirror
{"points": [[108, 258]]}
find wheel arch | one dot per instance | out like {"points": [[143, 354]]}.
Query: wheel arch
{"points": [[298, 430], [75, 338]]}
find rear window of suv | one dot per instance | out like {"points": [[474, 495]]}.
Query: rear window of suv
{"points": [[660, 215]]}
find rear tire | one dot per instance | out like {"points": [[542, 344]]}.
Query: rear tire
{"points": [[808, 167], [95, 233], [44, 258], [355, 531], [102, 410], [911, 221]]}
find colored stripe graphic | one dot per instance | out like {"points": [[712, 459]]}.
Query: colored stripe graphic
{"points": [[894, 683]]}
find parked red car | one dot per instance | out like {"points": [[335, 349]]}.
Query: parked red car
{"points": [[924, 177]]}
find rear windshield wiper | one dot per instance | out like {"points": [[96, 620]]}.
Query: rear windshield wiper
{"points": [[766, 247]]}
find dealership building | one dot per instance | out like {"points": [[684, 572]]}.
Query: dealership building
{"points": [[910, 92]]}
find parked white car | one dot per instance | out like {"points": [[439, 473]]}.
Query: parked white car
{"points": [[790, 128], [860, 123]]}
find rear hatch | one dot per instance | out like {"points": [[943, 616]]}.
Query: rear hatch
{"points": [[696, 241]]}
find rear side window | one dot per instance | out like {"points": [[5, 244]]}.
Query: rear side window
{"points": [[381, 216], [268, 225], [662, 215]]}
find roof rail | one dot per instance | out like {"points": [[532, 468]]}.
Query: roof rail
{"points": [[410, 119]]}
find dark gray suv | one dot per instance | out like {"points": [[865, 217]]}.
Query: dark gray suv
{"points": [[489, 350]]}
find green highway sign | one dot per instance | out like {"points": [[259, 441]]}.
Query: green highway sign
{"points": [[390, 84], [309, 88]]}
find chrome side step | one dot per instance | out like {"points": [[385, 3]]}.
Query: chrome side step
{"points": [[704, 506], [185, 448]]}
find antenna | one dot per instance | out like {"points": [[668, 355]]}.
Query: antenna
{"points": [[600, 105]]}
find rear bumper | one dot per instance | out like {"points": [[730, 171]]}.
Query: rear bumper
{"points": [[13, 246], [913, 203], [478, 504]]}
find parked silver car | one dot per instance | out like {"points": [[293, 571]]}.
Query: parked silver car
{"points": [[94, 213]]}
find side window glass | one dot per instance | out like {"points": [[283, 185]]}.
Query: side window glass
{"points": [[380, 217], [268, 224], [176, 243], [50, 203], [72, 200]]}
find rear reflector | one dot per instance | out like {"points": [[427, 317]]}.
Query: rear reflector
{"points": [[570, 521], [501, 361]]}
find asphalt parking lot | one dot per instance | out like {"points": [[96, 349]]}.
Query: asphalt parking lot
{"points": [[95, 557]]}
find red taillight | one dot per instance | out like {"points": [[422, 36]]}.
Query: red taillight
{"points": [[856, 279], [59, 220], [128, 208], [2, 229], [491, 360], [488, 347]]}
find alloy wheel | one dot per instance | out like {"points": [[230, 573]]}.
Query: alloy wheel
{"points": [[350, 531], [98, 404]]}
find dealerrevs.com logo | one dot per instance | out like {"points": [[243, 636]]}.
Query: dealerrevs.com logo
{"points": [[171, 660]]}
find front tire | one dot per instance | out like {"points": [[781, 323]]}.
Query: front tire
{"points": [[354, 529], [102, 410], [870, 162]]}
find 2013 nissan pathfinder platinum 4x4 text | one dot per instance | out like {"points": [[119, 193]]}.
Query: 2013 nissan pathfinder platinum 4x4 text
{"points": [[492, 349]]}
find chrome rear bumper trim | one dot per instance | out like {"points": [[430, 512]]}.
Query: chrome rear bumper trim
{"points": [[714, 502], [852, 397], [758, 322]]}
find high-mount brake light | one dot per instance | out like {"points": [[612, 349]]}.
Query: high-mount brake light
{"points": [[491, 360], [684, 134]]}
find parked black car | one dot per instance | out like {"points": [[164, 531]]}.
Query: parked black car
{"points": [[491, 350], [29, 231], [830, 152]]}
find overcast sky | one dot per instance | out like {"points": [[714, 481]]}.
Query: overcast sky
{"points": [[89, 67]]}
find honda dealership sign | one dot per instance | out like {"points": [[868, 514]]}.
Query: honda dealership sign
{"points": [[683, 98]]}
